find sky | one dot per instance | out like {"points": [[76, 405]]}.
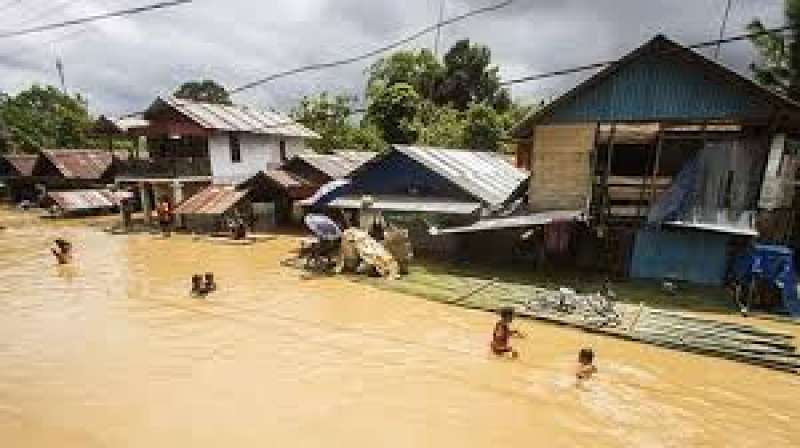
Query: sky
{"points": [[122, 64]]}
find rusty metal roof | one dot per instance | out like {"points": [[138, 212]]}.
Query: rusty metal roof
{"points": [[21, 163], [80, 164], [236, 118], [286, 180], [77, 200], [338, 164], [212, 200]]}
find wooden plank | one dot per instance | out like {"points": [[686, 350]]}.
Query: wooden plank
{"points": [[560, 174]]}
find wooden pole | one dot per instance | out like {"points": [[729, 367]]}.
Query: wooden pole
{"points": [[656, 165]]}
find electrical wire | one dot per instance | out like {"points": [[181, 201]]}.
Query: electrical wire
{"points": [[93, 18], [374, 52]]}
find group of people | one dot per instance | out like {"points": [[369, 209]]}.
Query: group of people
{"points": [[202, 285], [501, 346]]}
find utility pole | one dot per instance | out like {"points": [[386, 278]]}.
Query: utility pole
{"points": [[438, 28], [60, 68], [722, 27]]}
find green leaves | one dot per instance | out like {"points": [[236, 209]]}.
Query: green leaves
{"points": [[205, 91], [331, 117], [778, 67]]}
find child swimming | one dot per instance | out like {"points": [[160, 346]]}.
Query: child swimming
{"points": [[502, 333], [586, 367], [62, 251]]}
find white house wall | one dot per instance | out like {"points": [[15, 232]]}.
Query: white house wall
{"points": [[258, 152]]}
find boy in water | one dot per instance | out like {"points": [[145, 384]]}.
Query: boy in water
{"points": [[62, 251], [503, 332], [586, 367]]}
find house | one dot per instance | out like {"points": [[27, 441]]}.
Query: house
{"points": [[69, 169], [15, 173], [300, 177], [421, 185], [665, 149], [83, 202], [192, 145]]}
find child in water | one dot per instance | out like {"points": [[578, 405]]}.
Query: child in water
{"points": [[210, 284], [198, 286], [62, 251], [586, 367], [503, 332]]}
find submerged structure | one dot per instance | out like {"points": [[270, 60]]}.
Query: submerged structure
{"points": [[675, 160]]}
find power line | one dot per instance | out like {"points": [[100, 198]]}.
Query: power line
{"points": [[92, 18], [583, 68], [722, 26], [375, 52]]}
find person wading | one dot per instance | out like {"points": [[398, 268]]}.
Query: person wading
{"points": [[164, 211]]}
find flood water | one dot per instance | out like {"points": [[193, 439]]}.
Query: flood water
{"points": [[111, 351]]}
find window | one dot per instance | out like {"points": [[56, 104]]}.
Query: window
{"points": [[236, 149], [282, 149]]}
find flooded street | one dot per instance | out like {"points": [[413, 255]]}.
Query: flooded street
{"points": [[112, 351]]}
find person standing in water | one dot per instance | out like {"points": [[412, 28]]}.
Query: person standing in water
{"points": [[500, 344], [62, 251], [586, 367], [164, 212]]}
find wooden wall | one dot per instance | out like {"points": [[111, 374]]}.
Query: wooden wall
{"points": [[561, 167]]}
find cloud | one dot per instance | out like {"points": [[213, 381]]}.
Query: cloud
{"points": [[120, 65]]}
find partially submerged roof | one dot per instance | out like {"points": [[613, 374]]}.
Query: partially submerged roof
{"points": [[17, 165], [86, 164], [512, 222], [79, 200], [399, 203], [232, 118], [212, 200], [662, 81], [486, 176], [337, 164]]}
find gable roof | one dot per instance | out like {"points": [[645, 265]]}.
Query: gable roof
{"points": [[232, 118], [17, 165], [212, 200], [88, 164], [338, 164], [661, 80], [483, 175]]}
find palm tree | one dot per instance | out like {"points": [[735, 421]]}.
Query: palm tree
{"points": [[779, 65]]}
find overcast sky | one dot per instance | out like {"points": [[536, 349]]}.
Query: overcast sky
{"points": [[120, 65]]}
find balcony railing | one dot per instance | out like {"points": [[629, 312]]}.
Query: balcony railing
{"points": [[168, 167]]}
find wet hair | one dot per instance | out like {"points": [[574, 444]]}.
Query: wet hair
{"points": [[586, 356], [197, 282], [62, 243], [507, 313]]}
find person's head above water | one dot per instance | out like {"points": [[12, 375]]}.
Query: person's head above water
{"points": [[586, 356], [507, 314], [63, 244]]}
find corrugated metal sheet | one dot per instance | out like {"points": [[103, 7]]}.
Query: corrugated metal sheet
{"points": [[535, 219], [21, 163], [212, 200], [485, 175], [80, 164], [286, 179], [339, 164], [661, 80], [407, 204], [236, 118], [694, 256], [79, 200]]}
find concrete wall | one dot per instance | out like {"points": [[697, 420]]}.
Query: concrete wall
{"points": [[258, 152]]}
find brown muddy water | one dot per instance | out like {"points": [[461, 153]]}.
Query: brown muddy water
{"points": [[111, 351]]}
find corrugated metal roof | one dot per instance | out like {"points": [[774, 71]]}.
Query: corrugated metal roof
{"points": [[77, 200], [212, 200], [485, 175], [396, 203], [80, 164], [237, 118], [286, 179], [22, 163], [339, 164], [661, 80], [535, 219]]}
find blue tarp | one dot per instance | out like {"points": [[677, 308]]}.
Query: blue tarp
{"points": [[687, 255], [772, 263], [677, 200]]}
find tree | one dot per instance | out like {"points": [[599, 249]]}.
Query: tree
{"points": [[392, 110], [470, 78], [440, 126], [44, 117], [331, 118], [206, 91], [779, 65], [420, 69], [484, 127]]}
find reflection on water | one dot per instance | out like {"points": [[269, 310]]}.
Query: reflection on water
{"points": [[113, 351]]}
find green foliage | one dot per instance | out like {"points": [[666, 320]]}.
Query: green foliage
{"points": [[43, 117], [206, 91], [779, 64], [470, 78], [419, 68], [392, 110], [439, 126], [329, 116], [484, 128]]}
